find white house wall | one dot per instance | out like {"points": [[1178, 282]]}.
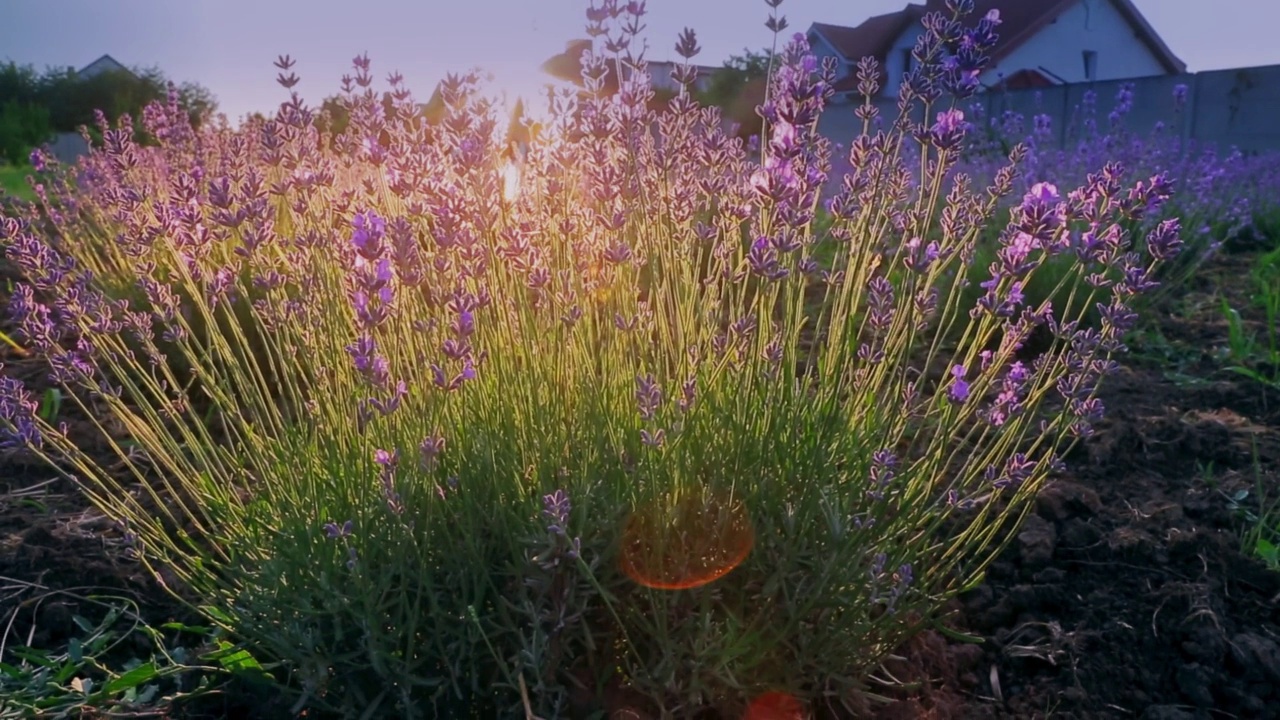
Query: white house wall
{"points": [[1087, 25], [895, 62], [822, 49]]}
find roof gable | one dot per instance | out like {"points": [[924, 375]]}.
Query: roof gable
{"points": [[873, 38], [104, 64], [1020, 21]]}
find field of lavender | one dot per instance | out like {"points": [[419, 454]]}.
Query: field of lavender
{"points": [[643, 419]]}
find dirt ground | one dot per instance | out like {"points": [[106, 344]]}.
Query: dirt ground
{"points": [[1125, 595]]}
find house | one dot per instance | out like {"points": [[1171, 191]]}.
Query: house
{"points": [[567, 66], [1041, 43], [67, 147], [104, 64], [660, 72]]}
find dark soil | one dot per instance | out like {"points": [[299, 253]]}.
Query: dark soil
{"points": [[1125, 595]]}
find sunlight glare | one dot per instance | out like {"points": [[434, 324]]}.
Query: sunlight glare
{"points": [[775, 706]]}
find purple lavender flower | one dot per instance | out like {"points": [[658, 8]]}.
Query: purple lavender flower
{"points": [[1165, 241], [654, 439], [334, 531], [880, 304], [368, 362], [882, 472], [388, 461], [763, 259], [1016, 471], [958, 392], [948, 131], [688, 393], [429, 451], [367, 235], [556, 508], [18, 426]]}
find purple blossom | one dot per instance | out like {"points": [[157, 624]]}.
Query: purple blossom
{"points": [[958, 392], [18, 425], [556, 508], [368, 362], [648, 396], [948, 131], [387, 462], [880, 304], [1017, 470], [367, 235], [655, 439], [334, 531], [429, 451]]}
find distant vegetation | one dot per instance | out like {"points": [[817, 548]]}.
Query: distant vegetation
{"points": [[35, 106]]}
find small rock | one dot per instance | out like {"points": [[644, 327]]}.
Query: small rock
{"points": [[1037, 541], [1050, 576], [1204, 644], [1256, 657], [1078, 533], [966, 656], [1195, 682], [1064, 500], [978, 598], [1075, 695]]}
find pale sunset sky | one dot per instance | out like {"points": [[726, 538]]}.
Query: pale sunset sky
{"points": [[229, 45]]}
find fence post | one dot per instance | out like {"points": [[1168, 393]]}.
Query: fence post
{"points": [[1066, 115]]}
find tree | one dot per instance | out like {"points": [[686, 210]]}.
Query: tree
{"points": [[199, 102], [739, 87], [23, 125]]}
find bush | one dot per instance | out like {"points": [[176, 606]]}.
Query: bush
{"points": [[23, 126], [444, 435]]}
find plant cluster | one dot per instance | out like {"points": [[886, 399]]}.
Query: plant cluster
{"points": [[1256, 352], [443, 434]]}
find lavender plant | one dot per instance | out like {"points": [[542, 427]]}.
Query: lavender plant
{"points": [[440, 449], [1256, 354], [1221, 195]]}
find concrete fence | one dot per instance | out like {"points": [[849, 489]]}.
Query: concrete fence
{"points": [[1226, 108]]}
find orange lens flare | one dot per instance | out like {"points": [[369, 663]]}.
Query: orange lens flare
{"points": [[693, 543], [775, 706]]}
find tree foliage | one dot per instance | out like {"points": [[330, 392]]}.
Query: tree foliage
{"points": [[36, 105], [739, 86]]}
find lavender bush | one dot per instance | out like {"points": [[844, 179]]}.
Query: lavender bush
{"points": [[1221, 195], [442, 434]]}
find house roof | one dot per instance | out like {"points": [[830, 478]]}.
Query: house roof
{"points": [[873, 38], [1020, 21], [1025, 79], [567, 66], [106, 63]]}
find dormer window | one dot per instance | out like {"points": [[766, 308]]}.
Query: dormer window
{"points": [[1090, 65]]}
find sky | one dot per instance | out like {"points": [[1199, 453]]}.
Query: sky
{"points": [[229, 45]]}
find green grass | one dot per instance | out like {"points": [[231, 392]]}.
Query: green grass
{"points": [[13, 180]]}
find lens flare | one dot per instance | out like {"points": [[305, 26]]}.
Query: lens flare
{"points": [[686, 545], [775, 706]]}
